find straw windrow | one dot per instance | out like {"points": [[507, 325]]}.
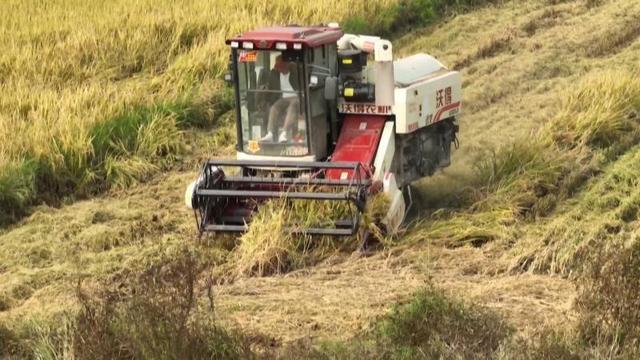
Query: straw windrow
{"points": [[269, 247]]}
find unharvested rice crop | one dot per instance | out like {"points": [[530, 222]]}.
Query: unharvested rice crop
{"points": [[93, 94]]}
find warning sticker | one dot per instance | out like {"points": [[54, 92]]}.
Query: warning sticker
{"points": [[247, 56], [253, 146]]}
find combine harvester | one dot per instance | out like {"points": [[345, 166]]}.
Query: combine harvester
{"points": [[327, 116]]}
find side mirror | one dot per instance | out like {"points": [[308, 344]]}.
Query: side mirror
{"points": [[330, 88]]}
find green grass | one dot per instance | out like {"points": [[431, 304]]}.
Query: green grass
{"points": [[405, 15], [17, 188]]}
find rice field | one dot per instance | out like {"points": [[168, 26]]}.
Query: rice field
{"points": [[543, 187]]}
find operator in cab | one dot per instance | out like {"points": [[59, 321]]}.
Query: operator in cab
{"points": [[285, 108]]}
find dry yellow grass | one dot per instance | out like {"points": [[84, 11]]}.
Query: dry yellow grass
{"points": [[523, 184], [545, 87]]}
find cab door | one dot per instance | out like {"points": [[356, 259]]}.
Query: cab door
{"points": [[319, 67]]}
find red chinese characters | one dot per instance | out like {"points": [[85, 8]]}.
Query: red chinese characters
{"points": [[372, 109], [443, 97]]}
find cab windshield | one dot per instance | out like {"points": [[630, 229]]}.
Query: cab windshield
{"points": [[272, 103]]}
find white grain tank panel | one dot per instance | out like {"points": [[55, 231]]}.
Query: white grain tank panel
{"points": [[415, 68], [434, 98]]}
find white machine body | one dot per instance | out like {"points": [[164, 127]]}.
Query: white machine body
{"points": [[425, 92]]}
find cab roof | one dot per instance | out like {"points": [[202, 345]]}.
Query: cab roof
{"points": [[308, 36]]}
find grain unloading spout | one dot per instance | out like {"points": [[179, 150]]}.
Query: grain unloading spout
{"points": [[385, 83], [226, 203]]}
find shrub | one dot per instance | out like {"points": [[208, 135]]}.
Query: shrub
{"points": [[430, 326], [608, 311], [544, 344], [435, 325], [608, 304], [7, 341], [154, 315], [155, 312]]}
